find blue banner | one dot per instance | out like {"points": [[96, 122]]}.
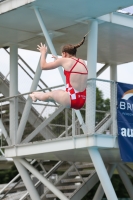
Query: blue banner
{"points": [[125, 120]]}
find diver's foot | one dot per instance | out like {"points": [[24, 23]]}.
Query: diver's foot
{"points": [[34, 99]]}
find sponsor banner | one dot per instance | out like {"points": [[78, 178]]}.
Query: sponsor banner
{"points": [[125, 120]]}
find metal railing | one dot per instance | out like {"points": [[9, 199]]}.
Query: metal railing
{"points": [[105, 114]]}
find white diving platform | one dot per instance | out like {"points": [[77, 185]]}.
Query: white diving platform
{"points": [[68, 149]]}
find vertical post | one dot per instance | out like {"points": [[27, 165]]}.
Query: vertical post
{"points": [[13, 91], [113, 76], [27, 180], [73, 123], [102, 173], [126, 181], [28, 104], [91, 88], [66, 121]]}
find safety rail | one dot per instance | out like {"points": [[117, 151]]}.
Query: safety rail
{"points": [[104, 109]]}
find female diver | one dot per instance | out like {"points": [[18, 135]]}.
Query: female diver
{"points": [[76, 74]]}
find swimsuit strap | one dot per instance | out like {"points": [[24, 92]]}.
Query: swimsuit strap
{"points": [[74, 64], [77, 60]]}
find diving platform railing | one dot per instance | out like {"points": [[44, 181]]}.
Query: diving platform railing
{"points": [[105, 120]]}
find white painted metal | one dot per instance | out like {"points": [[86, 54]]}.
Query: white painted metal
{"points": [[113, 100], [13, 91], [12, 4], [43, 124], [118, 18], [126, 180], [64, 148], [73, 123], [4, 132], [102, 69], [27, 108], [27, 180], [49, 185], [105, 126], [113, 72], [99, 193], [102, 173], [46, 132], [66, 121], [127, 169], [91, 87]]}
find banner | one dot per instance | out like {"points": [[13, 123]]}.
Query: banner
{"points": [[125, 120]]}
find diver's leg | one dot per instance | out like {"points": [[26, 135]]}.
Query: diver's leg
{"points": [[60, 96]]}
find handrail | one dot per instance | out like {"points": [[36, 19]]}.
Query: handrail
{"points": [[19, 95], [7, 98]]}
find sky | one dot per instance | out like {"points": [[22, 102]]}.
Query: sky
{"points": [[53, 78]]}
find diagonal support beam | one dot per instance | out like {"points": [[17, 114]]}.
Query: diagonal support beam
{"points": [[48, 39], [127, 182], [49, 185], [4, 132], [28, 105], [43, 124], [27, 180], [102, 69], [100, 192], [102, 173], [52, 49], [127, 169]]}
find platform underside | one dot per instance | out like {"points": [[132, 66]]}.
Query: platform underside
{"points": [[68, 149], [67, 22]]}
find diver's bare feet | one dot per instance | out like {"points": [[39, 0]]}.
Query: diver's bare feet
{"points": [[33, 97]]}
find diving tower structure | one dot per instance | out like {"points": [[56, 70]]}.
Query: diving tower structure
{"points": [[83, 144]]}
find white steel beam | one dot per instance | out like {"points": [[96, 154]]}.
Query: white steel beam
{"points": [[27, 180], [118, 18], [49, 185], [102, 173], [105, 126], [42, 125], [127, 169], [52, 49], [87, 186], [127, 182], [13, 91], [13, 4], [28, 105], [91, 87], [102, 69], [100, 192], [113, 101], [4, 132], [60, 148]]}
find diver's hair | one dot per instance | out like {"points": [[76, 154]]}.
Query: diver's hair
{"points": [[72, 49]]}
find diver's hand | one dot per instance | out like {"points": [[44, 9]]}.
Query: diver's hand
{"points": [[42, 48], [55, 57]]}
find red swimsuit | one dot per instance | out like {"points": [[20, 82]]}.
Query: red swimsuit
{"points": [[77, 98]]}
